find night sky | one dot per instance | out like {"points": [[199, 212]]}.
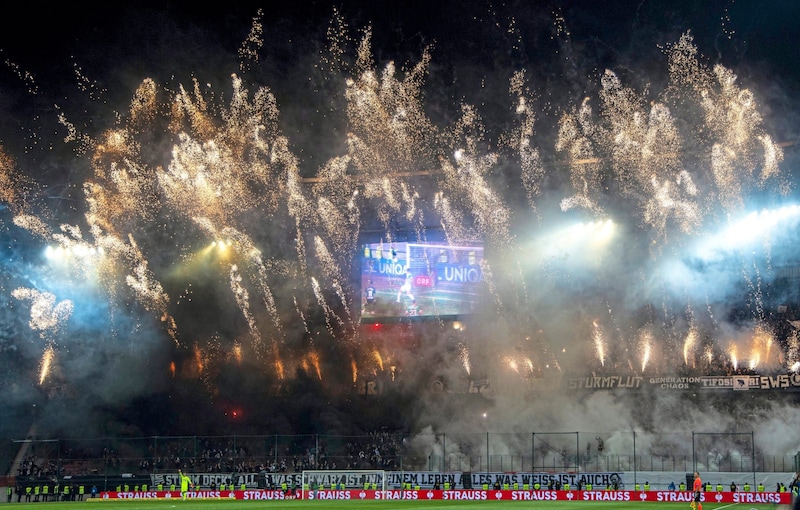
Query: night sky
{"points": [[309, 144]]}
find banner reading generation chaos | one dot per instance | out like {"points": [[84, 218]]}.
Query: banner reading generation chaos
{"points": [[788, 382]]}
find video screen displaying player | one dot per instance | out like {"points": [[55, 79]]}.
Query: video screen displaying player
{"points": [[437, 279]]}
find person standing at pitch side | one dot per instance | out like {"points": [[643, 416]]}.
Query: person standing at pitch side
{"points": [[697, 488], [185, 483]]}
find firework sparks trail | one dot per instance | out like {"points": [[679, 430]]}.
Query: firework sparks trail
{"points": [[301, 314], [243, 298], [463, 355], [532, 170], [236, 352], [734, 357], [261, 278], [199, 359], [378, 358], [313, 359], [46, 363], [511, 363], [599, 343], [761, 347], [324, 305], [689, 346], [245, 245], [645, 347], [331, 269], [793, 353], [708, 355]]}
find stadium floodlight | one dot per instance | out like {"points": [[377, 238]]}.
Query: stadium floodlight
{"points": [[315, 480], [576, 244], [741, 232]]}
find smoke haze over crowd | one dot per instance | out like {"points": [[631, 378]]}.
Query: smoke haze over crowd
{"points": [[184, 194]]}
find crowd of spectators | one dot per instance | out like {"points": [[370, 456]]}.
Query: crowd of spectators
{"points": [[33, 467], [378, 450]]}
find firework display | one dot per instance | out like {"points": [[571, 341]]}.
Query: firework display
{"points": [[208, 239]]}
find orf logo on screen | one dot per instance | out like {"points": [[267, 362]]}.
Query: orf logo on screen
{"points": [[423, 281]]}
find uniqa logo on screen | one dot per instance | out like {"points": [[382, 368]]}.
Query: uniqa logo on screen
{"points": [[458, 274]]}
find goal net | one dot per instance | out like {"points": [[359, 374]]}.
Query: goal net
{"points": [[347, 479]]}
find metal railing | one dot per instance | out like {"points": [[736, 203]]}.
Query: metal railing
{"points": [[606, 462], [490, 452]]}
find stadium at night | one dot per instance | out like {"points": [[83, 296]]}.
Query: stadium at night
{"points": [[504, 239]]}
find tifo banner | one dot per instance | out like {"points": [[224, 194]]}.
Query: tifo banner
{"points": [[615, 382], [478, 480], [782, 498], [234, 481], [394, 479]]}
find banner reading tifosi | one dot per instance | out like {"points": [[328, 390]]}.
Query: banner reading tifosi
{"points": [[466, 495]]}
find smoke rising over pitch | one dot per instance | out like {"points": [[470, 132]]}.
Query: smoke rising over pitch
{"points": [[186, 245]]}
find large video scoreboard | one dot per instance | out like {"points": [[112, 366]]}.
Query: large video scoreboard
{"points": [[428, 279]]}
